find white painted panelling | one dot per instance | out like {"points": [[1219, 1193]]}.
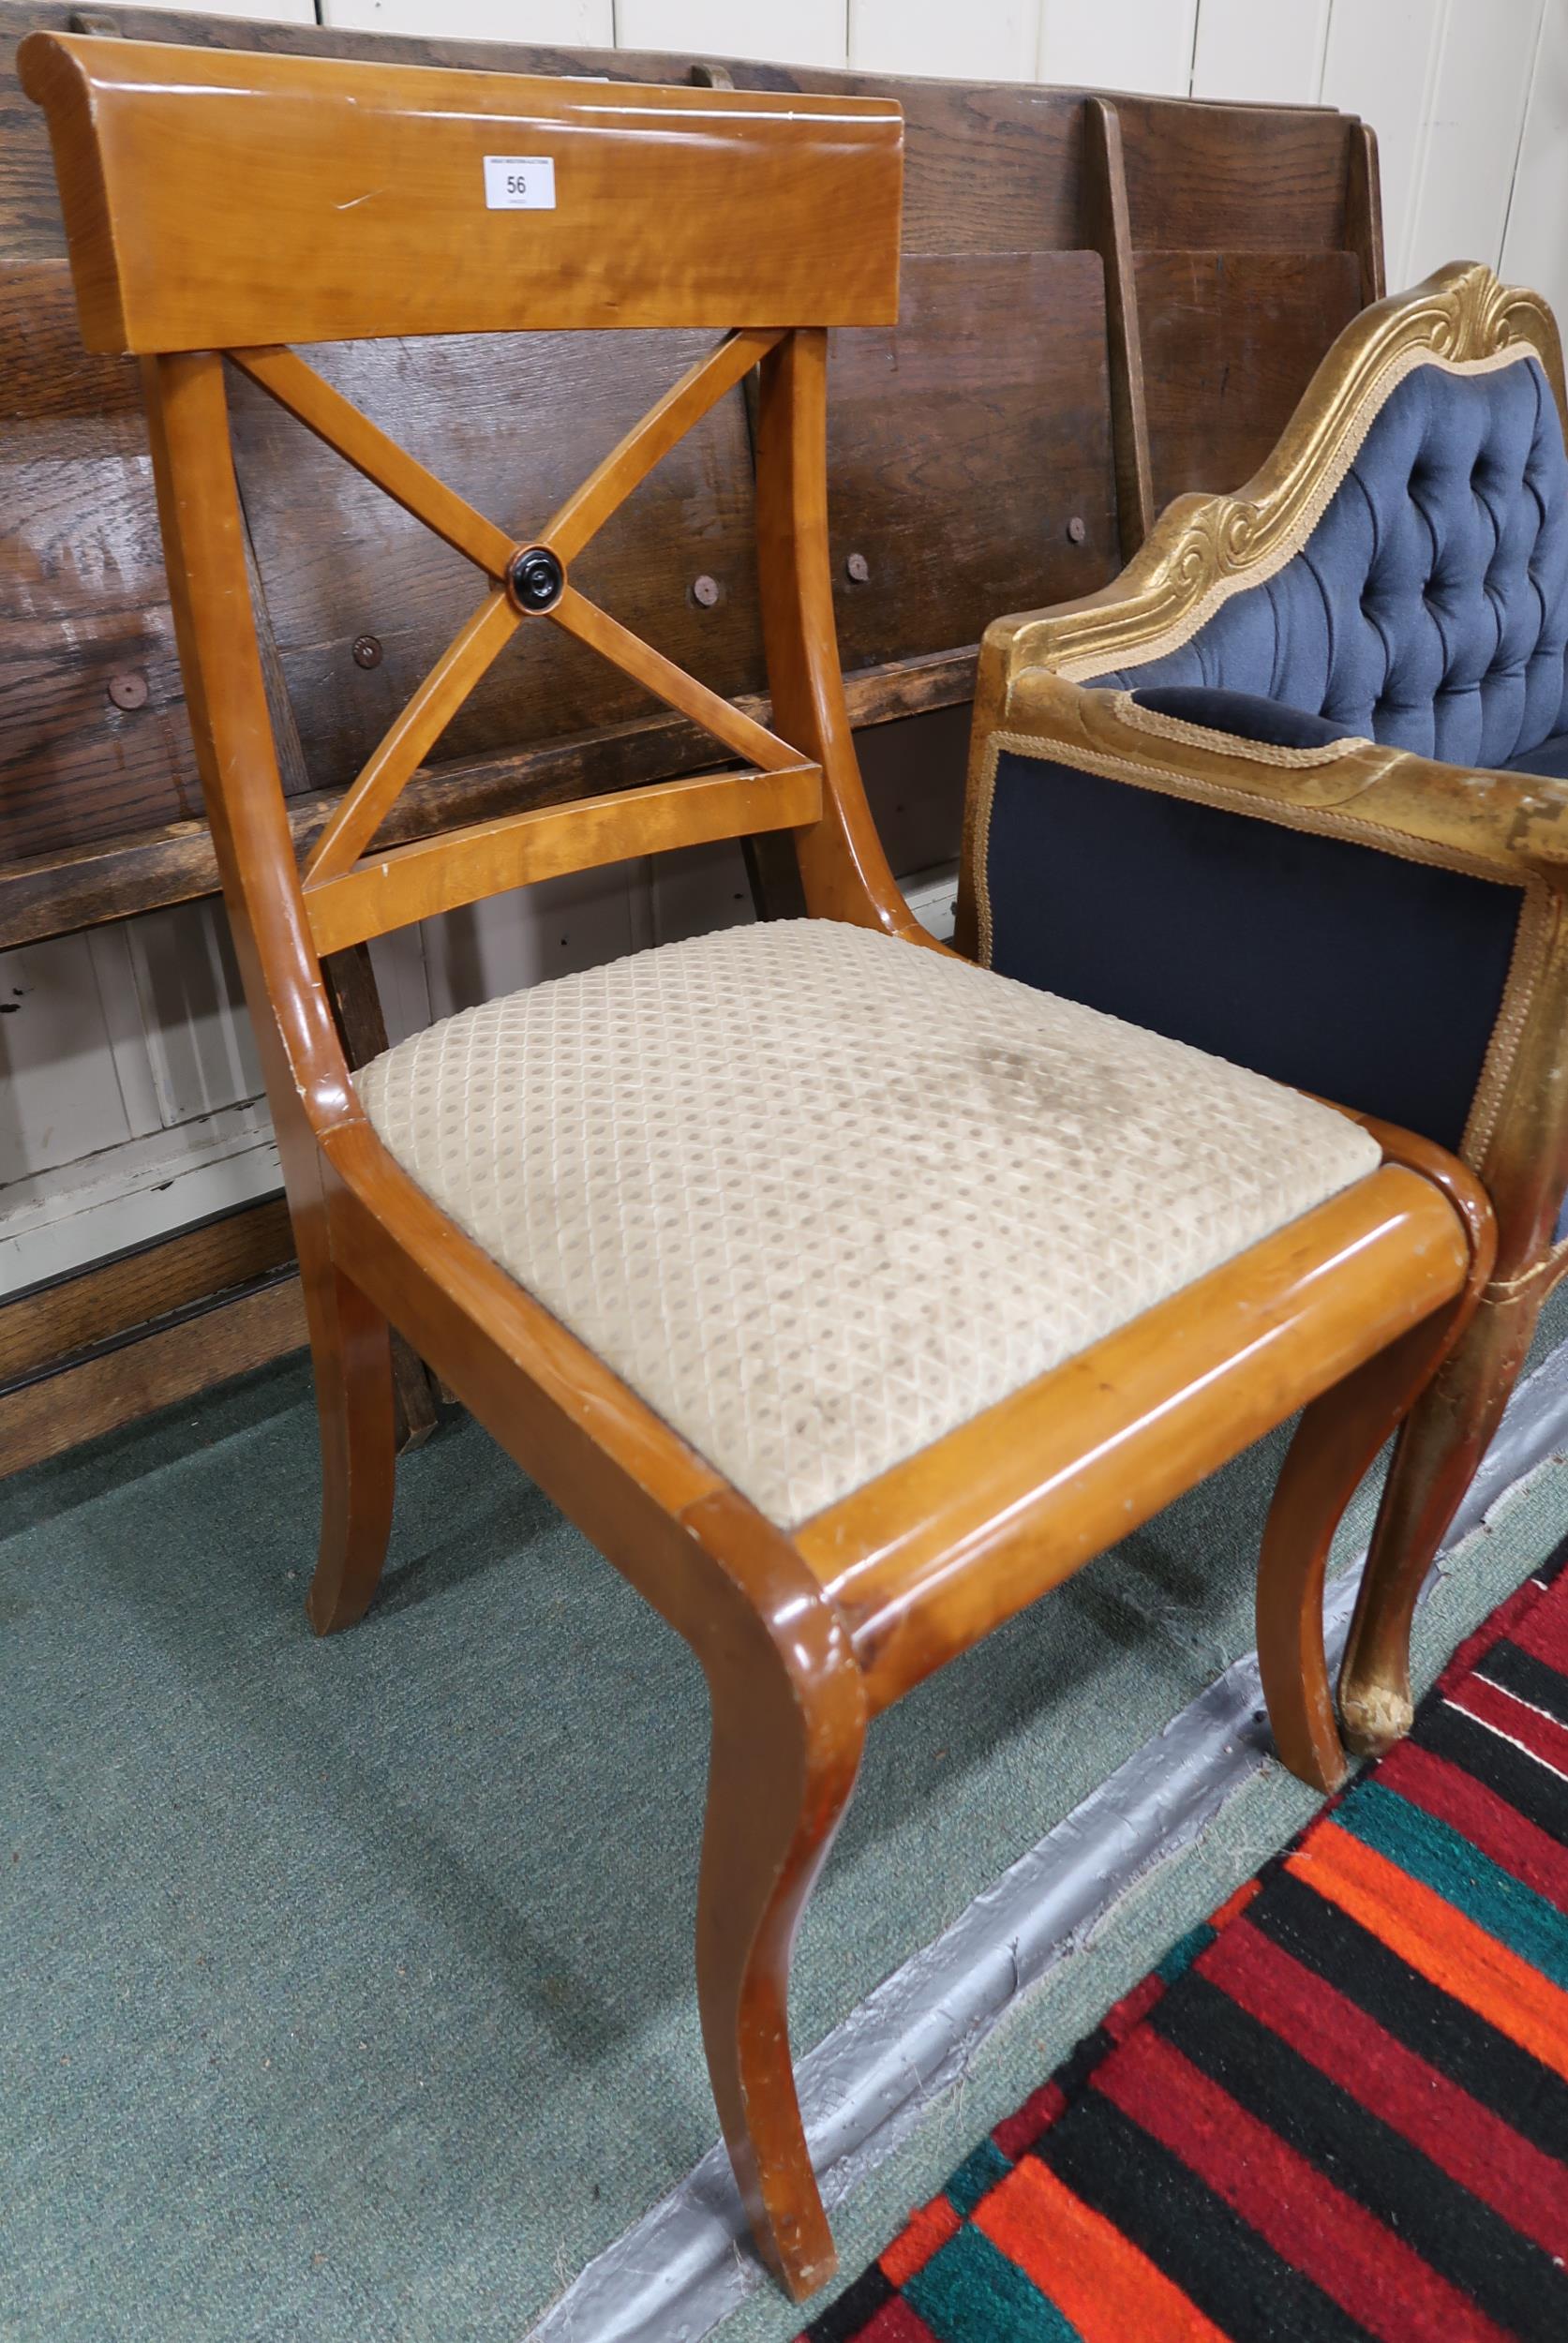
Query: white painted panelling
{"points": [[932, 897], [59, 1092], [695, 889], [275, 11], [1535, 249], [402, 981], [133, 1193], [1382, 63], [550, 929], [127, 1033], [966, 41], [1261, 48], [1118, 44], [1472, 134], [569, 24], [202, 1048], [785, 32]]}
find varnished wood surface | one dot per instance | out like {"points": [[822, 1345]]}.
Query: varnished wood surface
{"points": [[516, 425], [845, 873], [321, 407], [218, 249], [942, 1548], [650, 439], [410, 883], [1335, 1444], [356, 1005], [412, 734], [349, 904]]}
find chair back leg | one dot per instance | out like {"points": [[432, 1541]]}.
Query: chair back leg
{"points": [[1335, 1444], [350, 1353], [1439, 1448]]}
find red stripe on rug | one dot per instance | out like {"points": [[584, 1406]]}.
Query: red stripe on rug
{"points": [[1505, 1620], [1468, 2141], [1098, 2280], [1349, 2255], [1542, 1629], [1480, 1815], [896, 2322], [1133, 2007], [1039, 2111], [1531, 1729], [1440, 1942]]}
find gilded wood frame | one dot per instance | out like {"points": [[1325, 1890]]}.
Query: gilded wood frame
{"points": [[802, 1637]]}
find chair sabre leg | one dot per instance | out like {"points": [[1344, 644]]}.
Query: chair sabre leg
{"points": [[1335, 1444], [1442, 1445], [350, 1352], [778, 1780]]}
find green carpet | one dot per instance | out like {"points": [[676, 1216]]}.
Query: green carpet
{"points": [[345, 1987]]}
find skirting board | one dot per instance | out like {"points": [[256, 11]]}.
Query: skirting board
{"points": [[866, 2087], [130, 1379]]}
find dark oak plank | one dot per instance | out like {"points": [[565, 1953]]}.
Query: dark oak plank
{"points": [[43, 1327], [963, 444], [989, 171], [1108, 228], [45, 1417], [1237, 178], [1230, 340], [83, 603], [55, 894]]}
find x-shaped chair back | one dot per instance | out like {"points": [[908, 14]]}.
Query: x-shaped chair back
{"points": [[217, 212]]}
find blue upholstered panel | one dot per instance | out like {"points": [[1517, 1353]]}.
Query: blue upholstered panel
{"points": [[1429, 608], [1549, 757], [1327, 965], [1242, 714]]}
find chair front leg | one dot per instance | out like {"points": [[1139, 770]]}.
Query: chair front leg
{"points": [[1439, 1448], [785, 1751]]}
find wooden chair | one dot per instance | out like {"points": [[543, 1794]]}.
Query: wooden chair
{"points": [[847, 1296]]}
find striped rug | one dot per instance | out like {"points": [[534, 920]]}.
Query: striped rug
{"points": [[1339, 2109]]}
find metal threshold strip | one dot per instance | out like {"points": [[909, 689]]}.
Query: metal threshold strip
{"points": [[867, 2086]]}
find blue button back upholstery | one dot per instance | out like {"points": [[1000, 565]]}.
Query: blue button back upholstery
{"points": [[1429, 608]]}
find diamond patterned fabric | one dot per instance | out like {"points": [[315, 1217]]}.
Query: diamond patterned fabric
{"points": [[819, 1196]]}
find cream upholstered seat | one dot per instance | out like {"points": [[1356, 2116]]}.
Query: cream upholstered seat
{"points": [[819, 1196]]}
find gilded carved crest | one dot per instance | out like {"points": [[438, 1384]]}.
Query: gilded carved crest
{"points": [[1203, 548]]}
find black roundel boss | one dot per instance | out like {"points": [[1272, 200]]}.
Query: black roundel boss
{"points": [[535, 579]]}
